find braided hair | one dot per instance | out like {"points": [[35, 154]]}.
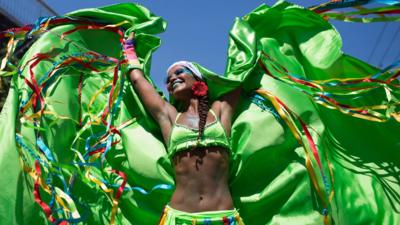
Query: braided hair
{"points": [[203, 112], [203, 105]]}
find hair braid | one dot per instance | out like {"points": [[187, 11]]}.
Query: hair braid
{"points": [[203, 112]]}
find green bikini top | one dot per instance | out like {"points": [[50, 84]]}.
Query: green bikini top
{"points": [[183, 137]]}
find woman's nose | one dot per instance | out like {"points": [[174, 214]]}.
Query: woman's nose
{"points": [[172, 78]]}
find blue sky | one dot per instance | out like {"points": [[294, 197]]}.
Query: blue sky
{"points": [[198, 31]]}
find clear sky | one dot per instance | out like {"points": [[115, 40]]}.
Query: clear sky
{"points": [[198, 31]]}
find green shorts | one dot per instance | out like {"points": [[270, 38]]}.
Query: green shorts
{"points": [[175, 217]]}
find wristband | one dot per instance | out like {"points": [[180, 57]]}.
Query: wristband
{"points": [[129, 51], [134, 66], [130, 55], [130, 42]]}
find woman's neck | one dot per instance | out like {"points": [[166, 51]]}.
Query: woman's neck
{"points": [[191, 106]]}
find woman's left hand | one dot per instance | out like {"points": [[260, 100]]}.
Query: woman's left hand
{"points": [[130, 51]]}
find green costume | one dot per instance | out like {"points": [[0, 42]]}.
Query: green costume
{"points": [[175, 217], [315, 136], [183, 138]]}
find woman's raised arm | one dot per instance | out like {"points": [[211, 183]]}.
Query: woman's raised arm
{"points": [[161, 110], [226, 107]]}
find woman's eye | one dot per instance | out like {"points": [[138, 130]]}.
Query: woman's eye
{"points": [[178, 71]]}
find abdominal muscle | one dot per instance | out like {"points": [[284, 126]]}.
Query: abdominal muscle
{"points": [[201, 177]]}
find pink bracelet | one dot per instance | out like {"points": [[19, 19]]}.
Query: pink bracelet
{"points": [[129, 50]]}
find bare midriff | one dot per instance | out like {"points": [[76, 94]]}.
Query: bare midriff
{"points": [[201, 177]]}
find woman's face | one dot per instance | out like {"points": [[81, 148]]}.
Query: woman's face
{"points": [[179, 82]]}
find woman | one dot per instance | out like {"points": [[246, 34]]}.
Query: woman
{"points": [[197, 138]]}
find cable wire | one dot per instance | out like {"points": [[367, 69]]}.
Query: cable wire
{"points": [[389, 46], [377, 41]]}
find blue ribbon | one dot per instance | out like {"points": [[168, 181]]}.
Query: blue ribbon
{"points": [[30, 151], [351, 3], [42, 146], [387, 2], [261, 103], [386, 69], [165, 187]]}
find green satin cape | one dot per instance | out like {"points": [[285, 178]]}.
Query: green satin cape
{"points": [[269, 181]]}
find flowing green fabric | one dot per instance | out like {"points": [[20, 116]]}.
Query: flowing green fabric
{"points": [[270, 49]]}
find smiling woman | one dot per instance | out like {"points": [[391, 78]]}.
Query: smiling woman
{"points": [[197, 139], [287, 136]]}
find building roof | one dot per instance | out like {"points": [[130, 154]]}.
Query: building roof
{"points": [[22, 12]]}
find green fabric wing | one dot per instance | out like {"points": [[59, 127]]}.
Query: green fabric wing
{"points": [[88, 108]]}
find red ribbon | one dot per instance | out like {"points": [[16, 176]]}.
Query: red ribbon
{"points": [[47, 210], [225, 220], [122, 186], [101, 150]]}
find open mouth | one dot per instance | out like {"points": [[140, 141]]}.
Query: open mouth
{"points": [[176, 83]]}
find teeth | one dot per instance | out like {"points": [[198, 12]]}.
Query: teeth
{"points": [[176, 83]]}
